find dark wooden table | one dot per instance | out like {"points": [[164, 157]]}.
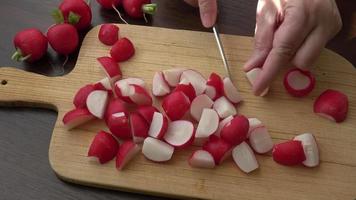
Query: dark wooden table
{"points": [[25, 133]]}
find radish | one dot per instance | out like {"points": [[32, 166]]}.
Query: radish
{"points": [[96, 103], [224, 107], [76, 12], [252, 75], [158, 126], [115, 106], [333, 105], [108, 34], [299, 83], [187, 89], [76, 117], [157, 150], [310, 148], [31, 45], [222, 124], [122, 50], [127, 151], [195, 78], [147, 112], [109, 4], [123, 90], [103, 84], [118, 124], [201, 159], [208, 124], [136, 81], [138, 8], [159, 85], [110, 68], [244, 158], [104, 147], [140, 96], [214, 86], [180, 133], [139, 127], [231, 92], [254, 123], [80, 98], [63, 38], [198, 104], [260, 140], [172, 76], [218, 148], [176, 105], [236, 130], [288, 153]]}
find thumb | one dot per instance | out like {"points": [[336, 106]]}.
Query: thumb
{"points": [[208, 12]]}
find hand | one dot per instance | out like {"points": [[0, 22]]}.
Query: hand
{"points": [[290, 32], [208, 11]]}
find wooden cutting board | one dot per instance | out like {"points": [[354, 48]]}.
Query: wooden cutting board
{"points": [[158, 49]]}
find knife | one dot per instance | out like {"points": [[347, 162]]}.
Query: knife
{"points": [[221, 50]]}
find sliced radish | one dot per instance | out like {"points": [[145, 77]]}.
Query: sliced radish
{"points": [[104, 147], [80, 98], [244, 158], [123, 90], [252, 75], [172, 76], [115, 106], [311, 149], [176, 105], [139, 127], [231, 92], [214, 86], [260, 140], [147, 112], [111, 68], [254, 123], [76, 117], [289, 153], [157, 150], [136, 81], [127, 151], [208, 123], [224, 107], [236, 130], [218, 148], [196, 79], [119, 125], [198, 104], [159, 85], [201, 159], [140, 96], [158, 126], [180, 133], [103, 84], [187, 89], [299, 83], [222, 124], [333, 105], [96, 103]]}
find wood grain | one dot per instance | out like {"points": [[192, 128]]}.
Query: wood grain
{"points": [[159, 49]]}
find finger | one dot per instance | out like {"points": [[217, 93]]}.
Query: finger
{"points": [[208, 12], [193, 3]]}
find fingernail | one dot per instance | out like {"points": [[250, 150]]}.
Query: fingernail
{"points": [[207, 20]]}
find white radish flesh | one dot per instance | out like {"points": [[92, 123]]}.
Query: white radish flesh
{"points": [[157, 150], [196, 79], [208, 123], [159, 85], [224, 107], [252, 75], [96, 103], [254, 123], [198, 104], [231, 91], [201, 159], [140, 96], [179, 133], [311, 149], [244, 158], [260, 140], [158, 126], [172, 76]]}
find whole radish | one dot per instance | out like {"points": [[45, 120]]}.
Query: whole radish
{"points": [[109, 4], [108, 34], [30, 45], [63, 38], [138, 8], [76, 12]]}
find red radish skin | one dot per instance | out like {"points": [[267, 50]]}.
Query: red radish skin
{"points": [[195, 78], [218, 148], [109, 4], [172, 76], [76, 117], [139, 127], [137, 8], [214, 86], [252, 76], [198, 105], [122, 50], [236, 130], [176, 105], [224, 107], [180, 134], [159, 86], [222, 124], [110, 68], [157, 150], [311, 149], [333, 105], [119, 125], [140, 96], [208, 124], [96, 103], [288, 153], [80, 98], [115, 106], [63, 38], [254, 123], [260, 140], [244, 158], [147, 112], [299, 83], [201, 159], [159, 126], [80, 8], [127, 151], [187, 89], [104, 147], [31, 45], [231, 92], [108, 34]]}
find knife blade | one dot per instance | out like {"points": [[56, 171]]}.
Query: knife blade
{"points": [[222, 52]]}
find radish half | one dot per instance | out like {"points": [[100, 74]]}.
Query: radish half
{"points": [[222, 124], [254, 123], [299, 83], [159, 85], [104, 147], [119, 125], [244, 158], [201, 159], [311, 149], [236, 130], [180, 133], [214, 86], [231, 92], [176, 105], [289, 153], [208, 124], [172, 76], [147, 112], [218, 148], [224, 107], [260, 140], [252, 75], [140, 96], [196, 79], [127, 151], [139, 127], [76, 117], [157, 150], [136, 81], [96, 103], [187, 89], [111, 68], [198, 104], [159, 126], [80, 98]]}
